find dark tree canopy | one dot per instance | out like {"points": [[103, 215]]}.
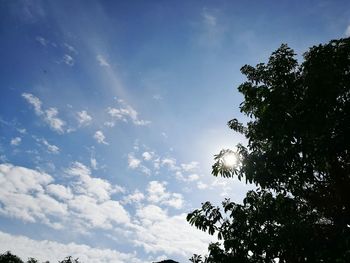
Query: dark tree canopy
{"points": [[298, 156]]}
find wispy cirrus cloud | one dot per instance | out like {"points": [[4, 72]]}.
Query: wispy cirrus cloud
{"points": [[102, 61]]}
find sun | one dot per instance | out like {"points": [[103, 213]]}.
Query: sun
{"points": [[230, 160]]}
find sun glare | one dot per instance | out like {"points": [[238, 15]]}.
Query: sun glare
{"points": [[230, 160]]}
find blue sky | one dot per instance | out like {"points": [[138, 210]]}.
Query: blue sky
{"points": [[111, 112]]}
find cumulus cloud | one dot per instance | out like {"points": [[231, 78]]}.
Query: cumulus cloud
{"points": [[148, 155], [23, 195], [50, 115], [53, 251], [157, 193], [32, 196], [83, 118], [159, 232], [16, 141], [135, 197], [187, 167], [100, 137], [102, 61], [125, 113], [135, 163]]}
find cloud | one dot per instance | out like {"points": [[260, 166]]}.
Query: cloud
{"points": [[173, 235], [16, 141], [70, 48], [102, 61], [147, 156], [53, 251], [208, 18], [60, 191], [23, 196], [93, 163], [67, 59], [201, 185], [100, 137], [133, 162], [50, 147], [187, 167], [135, 197], [83, 118], [42, 41], [32, 196], [157, 194], [49, 115], [97, 188], [125, 113], [347, 31]]}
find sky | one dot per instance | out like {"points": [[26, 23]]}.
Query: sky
{"points": [[111, 112]]}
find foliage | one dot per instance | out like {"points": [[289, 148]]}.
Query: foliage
{"points": [[8, 257], [298, 156]]}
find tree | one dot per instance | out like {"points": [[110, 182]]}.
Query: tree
{"points": [[298, 156], [9, 258]]}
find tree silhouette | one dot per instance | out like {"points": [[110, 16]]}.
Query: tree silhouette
{"points": [[298, 156], [7, 257]]}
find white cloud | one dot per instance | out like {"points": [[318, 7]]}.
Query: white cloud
{"points": [[193, 177], [102, 61], [125, 112], [23, 196], [148, 155], [97, 188], [67, 59], [100, 137], [83, 118], [157, 194], [135, 197], [136, 164], [173, 235], [133, 162], [31, 195], [93, 163], [49, 115], [60, 191], [347, 31], [54, 122], [16, 141], [34, 101], [170, 163], [201, 185], [187, 167], [50, 147], [53, 251]]}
